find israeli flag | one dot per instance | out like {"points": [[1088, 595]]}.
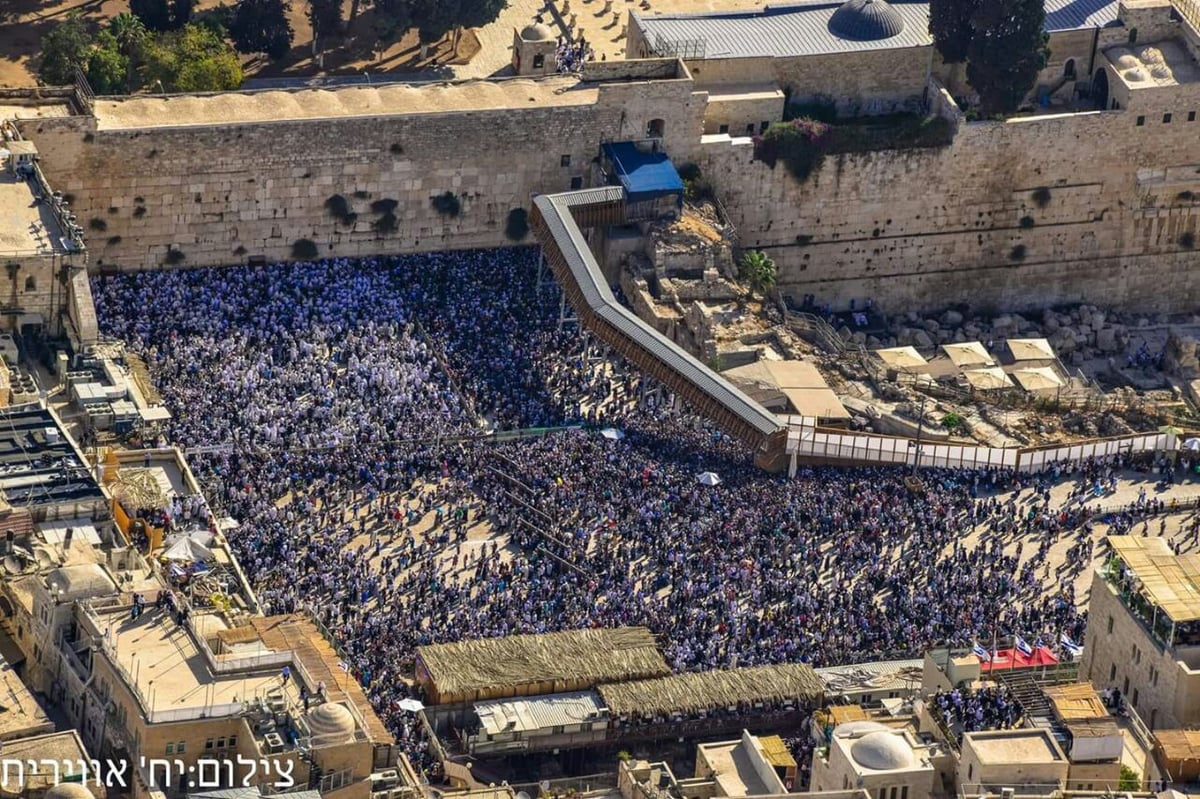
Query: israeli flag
{"points": [[1023, 647], [980, 652], [1072, 648]]}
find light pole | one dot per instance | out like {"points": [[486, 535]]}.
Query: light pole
{"points": [[920, 429]]}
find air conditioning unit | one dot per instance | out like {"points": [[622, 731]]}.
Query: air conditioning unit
{"points": [[384, 780], [273, 743]]}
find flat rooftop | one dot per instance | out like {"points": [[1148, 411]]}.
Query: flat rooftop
{"points": [[233, 108], [1155, 65], [26, 227], [57, 746], [536, 713], [172, 674], [732, 769], [20, 713], [38, 465], [1014, 746]]}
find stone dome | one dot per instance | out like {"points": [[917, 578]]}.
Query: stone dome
{"points": [[68, 790], [331, 723], [1135, 75], [882, 751], [1151, 55], [537, 32], [1126, 60], [1161, 71], [866, 21], [854, 729]]}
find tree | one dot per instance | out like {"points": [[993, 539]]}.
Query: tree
{"points": [[325, 16], [950, 27], [181, 13], [436, 18], [758, 270], [154, 14], [262, 26], [1008, 49], [130, 35], [64, 48], [194, 59], [107, 67]]}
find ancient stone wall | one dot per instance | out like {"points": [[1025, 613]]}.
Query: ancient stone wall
{"points": [[1025, 213], [219, 194]]}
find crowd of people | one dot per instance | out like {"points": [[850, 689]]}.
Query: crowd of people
{"points": [[963, 710], [348, 404]]}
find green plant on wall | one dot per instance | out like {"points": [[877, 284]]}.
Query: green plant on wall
{"points": [[304, 249], [1130, 779], [446, 204], [516, 227], [758, 270], [799, 144]]}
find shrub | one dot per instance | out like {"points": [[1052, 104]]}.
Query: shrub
{"points": [[624, 756], [516, 227], [304, 249], [952, 421], [339, 208], [362, 195], [239, 250], [385, 206], [799, 144], [97, 224], [397, 148], [174, 256], [1188, 240], [1041, 196], [446, 204], [1027, 221], [386, 224], [891, 132], [758, 270], [1017, 253], [113, 240], [689, 171], [139, 212], [1130, 780], [822, 109]]}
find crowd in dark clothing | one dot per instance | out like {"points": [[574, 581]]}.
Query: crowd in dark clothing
{"points": [[963, 710], [355, 395]]}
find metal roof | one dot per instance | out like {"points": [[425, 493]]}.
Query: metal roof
{"points": [[1168, 581], [774, 31], [538, 713], [800, 29]]}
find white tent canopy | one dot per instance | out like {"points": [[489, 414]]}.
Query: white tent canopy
{"points": [[187, 548], [709, 478], [612, 433]]}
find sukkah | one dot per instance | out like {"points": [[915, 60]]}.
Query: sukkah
{"points": [[695, 691], [137, 489], [592, 656]]}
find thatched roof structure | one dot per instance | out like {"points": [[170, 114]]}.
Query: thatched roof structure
{"points": [[586, 657], [686, 693]]}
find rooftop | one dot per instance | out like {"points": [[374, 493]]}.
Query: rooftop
{"points": [[1075, 701], [231, 108], [57, 746], [535, 713], [38, 465], [721, 688], [733, 766], [593, 656], [997, 747], [1155, 65], [883, 676], [1167, 581], [20, 712], [27, 227]]}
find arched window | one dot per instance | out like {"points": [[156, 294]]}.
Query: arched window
{"points": [[1069, 69], [31, 283], [655, 128]]}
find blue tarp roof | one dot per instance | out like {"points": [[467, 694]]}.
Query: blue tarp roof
{"points": [[644, 175]]}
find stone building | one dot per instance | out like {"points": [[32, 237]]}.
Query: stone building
{"points": [[888, 763], [1144, 632], [534, 49], [1028, 760]]}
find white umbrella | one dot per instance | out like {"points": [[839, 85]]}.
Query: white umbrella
{"points": [[612, 433], [188, 549], [1192, 443], [709, 478], [411, 705]]}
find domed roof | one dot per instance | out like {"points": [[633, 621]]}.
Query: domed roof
{"points": [[68, 790], [1135, 75], [331, 723], [1126, 60], [537, 32], [866, 21], [882, 751], [1151, 55], [80, 582], [857, 728], [1161, 71]]}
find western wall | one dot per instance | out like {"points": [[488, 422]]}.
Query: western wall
{"points": [[1098, 206]]}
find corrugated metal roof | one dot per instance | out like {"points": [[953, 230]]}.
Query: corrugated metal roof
{"points": [[1068, 15], [539, 713], [800, 29], [789, 30], [882, 675]]}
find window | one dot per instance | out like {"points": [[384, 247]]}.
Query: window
{"points": [[179, 748], [762, 126], [577, 183], [1125, 687], [31, 283], [232, 741], [655, 128], [539, 61], [1112, 673], [750, 129], [1135, 697], [208, 744], [220, 743], [904, 792], [565, 161], [170, 749], [970, 771], [1191, 116], [1069, 69], [1166, 119], [557, 729], [723, 129], [1141, 121], [1110, 623], [893, 792]]}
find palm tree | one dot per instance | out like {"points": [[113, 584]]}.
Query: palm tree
{"points": [[130, 32], [758, 270]]}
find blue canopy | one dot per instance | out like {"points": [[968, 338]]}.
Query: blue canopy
{"points": [[644, 176]]}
